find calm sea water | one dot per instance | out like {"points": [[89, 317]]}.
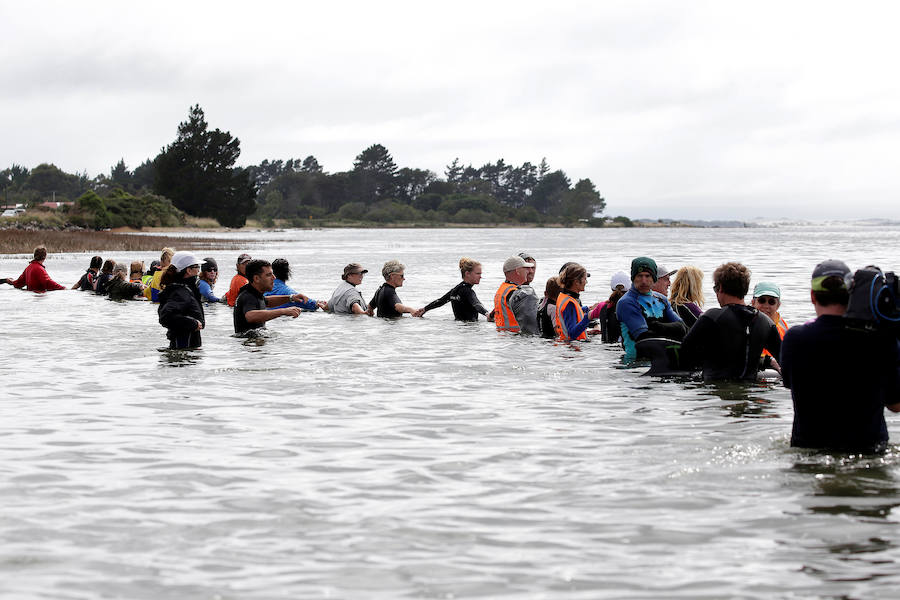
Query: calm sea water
{"points": [[343, 457]]}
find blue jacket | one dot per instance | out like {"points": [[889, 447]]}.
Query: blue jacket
{"points": [[633, 309], [280, 288], [206, 291]]}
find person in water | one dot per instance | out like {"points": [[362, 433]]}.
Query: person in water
{"points": [[385, 302], [89, 278], [180, 309], [530, 270], [282, 270], [841, 378], [35, 277], [239, 280], [727, 341], [462, 298], [767, 300], [346, 299], [515, 309], [119, 288], [156, 286], [572, 320], [605, 312], [547, 308], [643, 313], [253, 308], [663, 280], [687, 294], [105, 276], [209, 274], [136, 273]]}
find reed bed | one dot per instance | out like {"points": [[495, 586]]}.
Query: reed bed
{"points": [[23, 241]]}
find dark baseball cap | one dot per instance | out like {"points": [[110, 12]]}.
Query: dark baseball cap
{"points": [[830, 268], [243, 258], [209, 264]]}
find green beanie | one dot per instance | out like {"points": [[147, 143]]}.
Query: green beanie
{"points": [[642, 263]]}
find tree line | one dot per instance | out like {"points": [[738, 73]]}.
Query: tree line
{"points": [[196, 175]]}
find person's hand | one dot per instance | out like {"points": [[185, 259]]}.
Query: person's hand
{"points": [[371, 312], [199, 325], [490, 315], [298, 297], [322, 304], [418, 312], [292, 312]]}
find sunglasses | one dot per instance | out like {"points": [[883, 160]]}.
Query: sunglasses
{"points": [[767, 300]]}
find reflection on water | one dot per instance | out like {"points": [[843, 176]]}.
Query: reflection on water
{"points": [[336, 457]]}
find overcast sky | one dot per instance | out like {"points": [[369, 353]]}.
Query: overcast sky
{"points": [[672, 109]]}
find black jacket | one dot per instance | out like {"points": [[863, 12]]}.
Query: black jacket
{"points": [[179, 310]]}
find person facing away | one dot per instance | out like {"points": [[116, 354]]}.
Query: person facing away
{"points": [[209, 274], [156, 286], [346, 299], [136, 272], [687, 294], [386, 302], [239, 280], [119, 288], [610, 329], [515, 309], [282, 270], [89, 278], [180, 310], [728, 341], [572, 320], [643, 313], [767, 300], [35, 277], [841, 375], [462, 298], [252, 308], [547, 308], [105, 276]]}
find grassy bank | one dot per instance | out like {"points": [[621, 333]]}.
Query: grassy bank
{"points": [[19, 241]]}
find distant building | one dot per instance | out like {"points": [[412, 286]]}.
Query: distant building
{"points": [[55, 205]]}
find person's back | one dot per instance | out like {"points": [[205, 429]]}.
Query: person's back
{"points": [[728, 341], [840, 379]]}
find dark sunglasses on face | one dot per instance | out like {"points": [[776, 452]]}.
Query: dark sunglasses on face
{"points": [[767, 300]]}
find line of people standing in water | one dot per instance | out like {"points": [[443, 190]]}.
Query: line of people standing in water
{"points": [[732, 341]]}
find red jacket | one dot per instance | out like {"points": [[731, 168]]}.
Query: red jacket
{"points": [[36, 279]]}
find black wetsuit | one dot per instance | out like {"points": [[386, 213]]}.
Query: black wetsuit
{"points": [[840, 381], [179, 310], [463, 301], [86, 283], [384, 300], [249, 298], [728, 341], [610, 329]]}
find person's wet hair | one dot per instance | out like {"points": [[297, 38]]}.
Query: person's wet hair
{"points": [[96, 262], [255, 267], [466, 265], [391, 267], [108, 266], [571, 274], [281, 268], [552, 289], [40, 253], [732, 278]]}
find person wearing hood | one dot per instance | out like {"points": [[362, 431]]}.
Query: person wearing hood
{"points": [[180, 309], [209, 274], [728, 341], [643, 313]]}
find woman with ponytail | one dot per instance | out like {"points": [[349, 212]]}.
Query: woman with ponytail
{"points": [[462, 298]]}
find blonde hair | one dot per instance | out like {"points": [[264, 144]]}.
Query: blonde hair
{"points": [[166, 256], [467, 264], [688, 286]]}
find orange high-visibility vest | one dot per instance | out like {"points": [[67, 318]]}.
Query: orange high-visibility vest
{"points": [[561, 303], [503, 314], [782, 326]]}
